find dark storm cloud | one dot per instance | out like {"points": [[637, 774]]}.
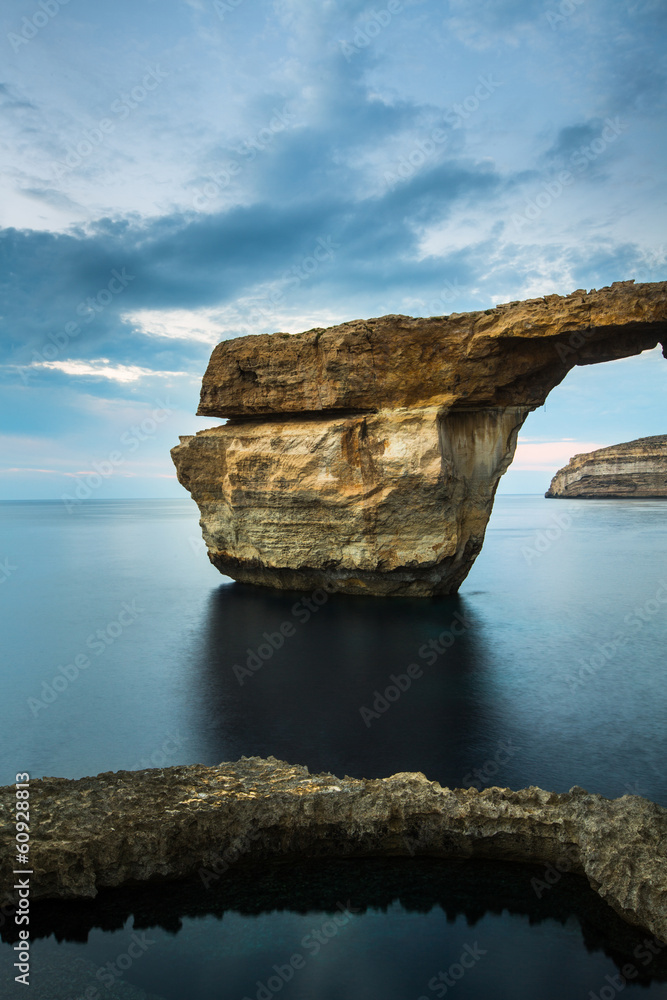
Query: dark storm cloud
{"points": [[191, 261]]}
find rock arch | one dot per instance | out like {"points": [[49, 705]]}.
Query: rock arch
{"points": [[364, 458]]}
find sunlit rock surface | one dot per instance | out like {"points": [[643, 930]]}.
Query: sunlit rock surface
{"points": [[364, 458]]}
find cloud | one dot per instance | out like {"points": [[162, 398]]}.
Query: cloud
{"points": [[180, 262], [21, 471], [201, 325], [548, 456], [481, 24], [51, 196], [571, 138], [12, 99], [103, 368]]}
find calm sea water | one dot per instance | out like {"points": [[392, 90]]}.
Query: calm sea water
{"points": [[556, 678]]}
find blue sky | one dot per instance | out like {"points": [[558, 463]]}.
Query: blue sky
{"points": [[169, 168]]}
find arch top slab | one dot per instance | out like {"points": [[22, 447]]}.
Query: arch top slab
{"points": [[512, 355]]}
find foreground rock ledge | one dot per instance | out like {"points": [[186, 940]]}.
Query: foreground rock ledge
{"points": [[622, 471], [135, 826], [364, 458]]}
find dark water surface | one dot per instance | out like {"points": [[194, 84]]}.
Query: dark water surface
{"points": [[554, 675]]}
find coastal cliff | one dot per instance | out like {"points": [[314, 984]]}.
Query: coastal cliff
{"points": [[155, 825], [633, 469], [364, 458]]}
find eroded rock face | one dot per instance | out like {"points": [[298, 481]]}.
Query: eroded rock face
{"points": [[634, 469], [388, 503], [135, 826], [365, 458]]}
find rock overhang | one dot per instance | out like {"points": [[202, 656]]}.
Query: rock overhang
{"points": [[513, 354]]}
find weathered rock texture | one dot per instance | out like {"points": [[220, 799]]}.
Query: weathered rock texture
{"points": [[135, 826], [364, 458], [634, 469]]}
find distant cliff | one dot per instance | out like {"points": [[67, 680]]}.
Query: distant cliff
{"points": [[634, 469]]}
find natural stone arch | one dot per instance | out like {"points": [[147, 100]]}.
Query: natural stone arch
{"points": [[365, 458]]}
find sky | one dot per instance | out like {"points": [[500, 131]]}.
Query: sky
{"points": [[170, 165]]}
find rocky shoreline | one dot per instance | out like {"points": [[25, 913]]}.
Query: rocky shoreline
{"points": [[148, 826]]}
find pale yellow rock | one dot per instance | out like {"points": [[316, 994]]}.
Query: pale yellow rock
{"points": [[390, 503]]}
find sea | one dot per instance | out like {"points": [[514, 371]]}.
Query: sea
{"points": [[549, 668]]}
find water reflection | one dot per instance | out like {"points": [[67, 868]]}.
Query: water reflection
{"points": [[494, 707], [303, 700], [438, 906]]}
